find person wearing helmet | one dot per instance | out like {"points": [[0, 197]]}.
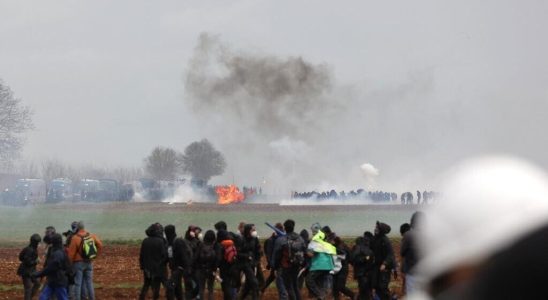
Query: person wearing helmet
{"points": [[486, 238], [29, 259]]}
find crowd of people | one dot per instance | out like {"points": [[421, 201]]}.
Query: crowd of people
{"points": [[375, 196], [317, 259], [485, 240], [314, 262], [68, 266]]}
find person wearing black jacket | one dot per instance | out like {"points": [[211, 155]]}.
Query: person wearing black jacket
{"points": [[55, 271], [226, 264], [339, 279], [29, 259], [268, 247], [207, 260], [288, 259], [384, 260], [363, 260], [191, 282], [152, 260], [249, 253], [182, 263]]}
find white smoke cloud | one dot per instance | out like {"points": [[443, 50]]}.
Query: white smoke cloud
{"points": [[371, 173], [369, 170]]}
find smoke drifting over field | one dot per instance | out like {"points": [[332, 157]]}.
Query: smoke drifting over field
{"points": [[272, 115], [275, 96]]}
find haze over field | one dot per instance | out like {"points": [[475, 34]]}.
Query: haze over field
{"points": [[294, 96]]}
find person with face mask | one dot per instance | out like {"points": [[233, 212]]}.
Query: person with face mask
{"points": [[29, 259], [191, 281], [249, 254], [207, 261], [182, 264]]}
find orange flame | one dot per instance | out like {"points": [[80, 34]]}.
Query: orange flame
{"points": [[229, 194]]}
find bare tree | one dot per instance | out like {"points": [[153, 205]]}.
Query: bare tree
{"points": [[202, 161], [27, 169], [15, 120], [53, 168], [124, 175], [162, 163]]}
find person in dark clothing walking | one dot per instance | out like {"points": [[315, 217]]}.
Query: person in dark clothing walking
{"points": [[182, 264], [29, 259], [207, 260], [339, 279], [152, 260], [227, 263], [171, 235], [191, 281], [384, 260], [268, 247], [48, 233], [55, 271], [288, 258], [363, 261], [409, 253], [249, 252]]}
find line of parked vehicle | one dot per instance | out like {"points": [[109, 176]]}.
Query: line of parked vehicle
{"points": [[33, 191]]}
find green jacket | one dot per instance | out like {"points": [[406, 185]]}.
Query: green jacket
{"points": [[323, 253]]}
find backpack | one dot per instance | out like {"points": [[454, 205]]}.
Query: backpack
{"points": [[230, 254], [207, 254], [363, 256], [88, 249], [295, 253]]}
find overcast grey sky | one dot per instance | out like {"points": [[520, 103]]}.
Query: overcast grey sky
{"points": [[430, 82]]}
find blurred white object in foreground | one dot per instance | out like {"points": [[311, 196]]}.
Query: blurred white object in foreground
{"points": [[486, 205]]}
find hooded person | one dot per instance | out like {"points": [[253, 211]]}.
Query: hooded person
{"points": [[249, 255], [207, 261], [384, 260], [29, 259], [321, 263], [182, 265], [56, 270], [170, 234], [153, 259], [288, 259], [363, 261], [226, 263], [486, 238], [340, 278], [192, 239]]}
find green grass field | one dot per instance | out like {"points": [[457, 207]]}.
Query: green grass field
{"points": [[126, 222]]}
